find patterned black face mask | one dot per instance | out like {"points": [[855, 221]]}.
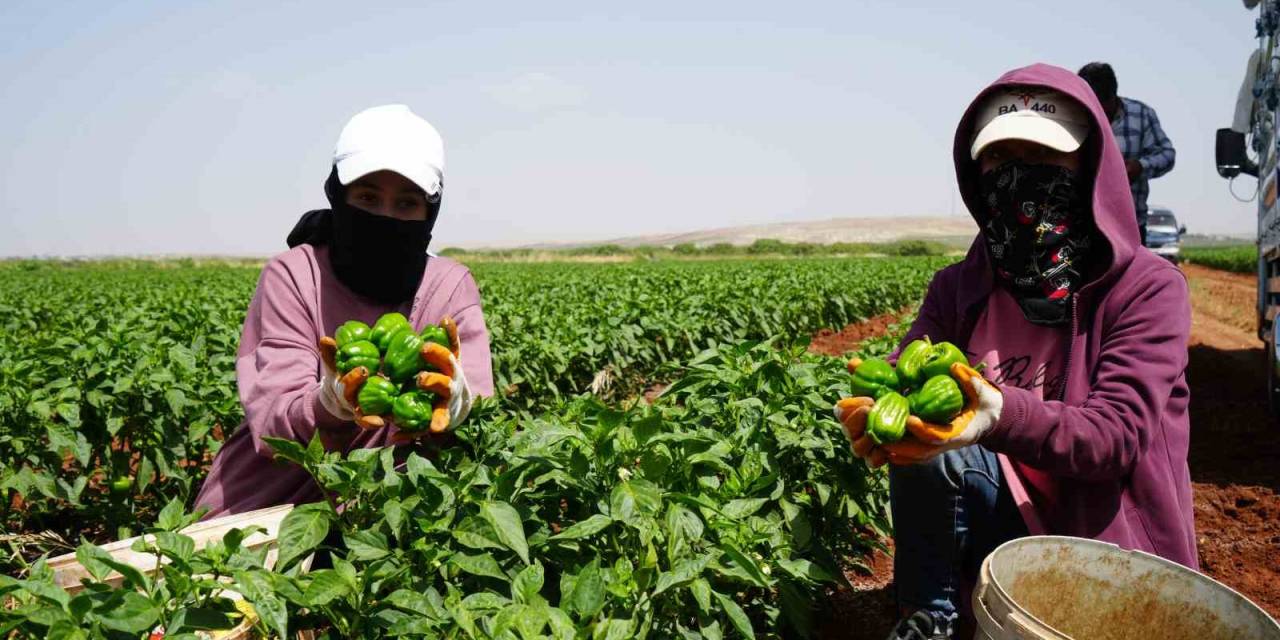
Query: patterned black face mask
{"points": [[1038, 235]]}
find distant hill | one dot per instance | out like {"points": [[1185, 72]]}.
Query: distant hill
{"points": [[952, 230]]}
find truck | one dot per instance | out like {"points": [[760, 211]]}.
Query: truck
{"points": [[1251, 147]]}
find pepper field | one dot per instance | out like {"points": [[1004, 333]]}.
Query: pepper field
{"points": [[566, 507]]}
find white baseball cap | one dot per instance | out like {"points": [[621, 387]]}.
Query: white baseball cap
{"points": [[391, 138], [1035, 114]]}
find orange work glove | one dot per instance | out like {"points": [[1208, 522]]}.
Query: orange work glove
{"points": [[983, 404]]}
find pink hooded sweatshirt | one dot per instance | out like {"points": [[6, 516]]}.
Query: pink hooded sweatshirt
{"points": [[1115, 442], [299, 299]]}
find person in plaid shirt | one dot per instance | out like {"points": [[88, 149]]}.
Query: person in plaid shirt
{"points": [[1146, 149]]}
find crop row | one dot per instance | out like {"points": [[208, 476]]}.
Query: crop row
{"points": [[1237, 259], [721, 510], [123, 373]]}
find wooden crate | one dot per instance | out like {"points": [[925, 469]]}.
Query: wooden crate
{"points": [[68, 571]]}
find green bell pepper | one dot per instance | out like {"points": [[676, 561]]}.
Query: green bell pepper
{"points": [[412, 410], [436, 334], [377, 396], [938, 361], [404, 355], [911, 360], [887, 421], [873, 378], [351, 331], [386, 327], [360, 353], [938, 401]]}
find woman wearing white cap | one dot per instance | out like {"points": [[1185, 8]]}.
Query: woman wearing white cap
{"points": [[1080, 426], [363, 257]]}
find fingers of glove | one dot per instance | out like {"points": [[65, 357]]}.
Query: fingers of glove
{"points": [[436, 383], [878, 458], [969, 379], [440, 416], [907, 449], [902, 461], [329, 353], [931, 433], [853, 363], [369, 422], [438, 357], [450, 327], [847, 405], [855, 423], [862, 447], [351, 383]]}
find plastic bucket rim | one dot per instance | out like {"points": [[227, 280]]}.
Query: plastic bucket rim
{"points": [[1015, 605]]}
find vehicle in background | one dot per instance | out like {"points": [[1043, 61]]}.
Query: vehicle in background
{"points": [[1164, 234], [1253, 128]]}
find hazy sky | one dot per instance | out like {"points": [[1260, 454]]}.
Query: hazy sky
{"points": [[208, 128]]}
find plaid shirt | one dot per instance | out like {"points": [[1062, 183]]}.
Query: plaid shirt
{"points": [[1140, 137]]}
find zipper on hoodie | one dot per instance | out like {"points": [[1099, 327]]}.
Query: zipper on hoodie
{"points": [[1071, 340]]}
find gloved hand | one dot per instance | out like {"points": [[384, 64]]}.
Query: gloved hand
{"points": [[983, 404], [448, 383], [338, 392]]}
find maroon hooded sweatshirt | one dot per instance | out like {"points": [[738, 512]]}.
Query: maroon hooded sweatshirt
{"points": [[1115, 441]]}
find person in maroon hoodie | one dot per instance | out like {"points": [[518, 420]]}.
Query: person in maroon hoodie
{"points": [[1080, 425]]}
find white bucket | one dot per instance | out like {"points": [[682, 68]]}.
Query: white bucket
{"points": [[1054, 587]]}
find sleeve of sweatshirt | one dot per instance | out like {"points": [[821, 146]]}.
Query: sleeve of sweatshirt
{"points": [[473, 336], [1157, 155], [1142, 356], [277, 364]]}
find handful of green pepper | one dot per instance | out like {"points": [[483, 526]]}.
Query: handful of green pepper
{"points": [[920, 385], [394, 361]]}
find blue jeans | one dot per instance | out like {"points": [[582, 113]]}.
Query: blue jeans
{"points": [[948, 514]]}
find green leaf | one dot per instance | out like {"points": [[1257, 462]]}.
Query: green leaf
{"points": [[683, 573], [742, 507], [325, 587], [88, 555], [128, 612], [171, 516], [366, 545], [485, 600], [476, 533], [527, 584], [177, 401], [737, 616], [747, 564], [480, 565], [506, 523], [176, 546], [701, 590], [302, 530], [315, 450], [273, 612], [634, 498], [182, 357], [586, 592], [288, 450], [587, 528], [805, 570], [412, 601]]}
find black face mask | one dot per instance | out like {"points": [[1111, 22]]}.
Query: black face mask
{"points": [[380, 258], [1039, 236]]}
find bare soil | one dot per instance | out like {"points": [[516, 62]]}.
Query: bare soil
{"points": [[1234, 459], [829, 342]]}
